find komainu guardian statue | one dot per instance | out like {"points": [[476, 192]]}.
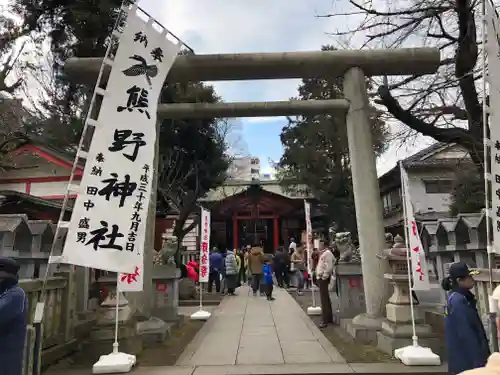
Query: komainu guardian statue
{"points": [[165, 256], [348, 252]]}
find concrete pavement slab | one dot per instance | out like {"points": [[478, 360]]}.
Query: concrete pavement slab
{"points": [[246, 330], [277, 369], [304, 352]]}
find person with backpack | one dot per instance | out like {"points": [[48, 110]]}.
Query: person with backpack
{"points": [[255, 263], [466, 339]]}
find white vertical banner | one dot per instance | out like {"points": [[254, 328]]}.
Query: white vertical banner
{"points": [[309, 239], [493, 51], [204, 246], [108, 224], [419, 269], [132, 282]]}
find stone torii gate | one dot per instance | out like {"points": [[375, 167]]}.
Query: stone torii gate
{"points": [[354, 66]]}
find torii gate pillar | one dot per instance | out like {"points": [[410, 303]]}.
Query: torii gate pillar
{"points": [[366, 199]]}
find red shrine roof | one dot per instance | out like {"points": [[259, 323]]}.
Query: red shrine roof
{"points": [[255, 201], [54, 155]]}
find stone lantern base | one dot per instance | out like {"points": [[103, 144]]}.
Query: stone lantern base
{"points": [[102, 335], [397, 330]]}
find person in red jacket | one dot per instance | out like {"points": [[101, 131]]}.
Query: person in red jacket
{"points": [[193, 269]]}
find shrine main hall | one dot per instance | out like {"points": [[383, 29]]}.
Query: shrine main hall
{"points": [[255, 212]]}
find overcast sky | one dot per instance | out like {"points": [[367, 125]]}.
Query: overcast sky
{"points": [[230, 26]]}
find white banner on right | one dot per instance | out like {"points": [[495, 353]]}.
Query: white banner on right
{"points": [[493, 51], [419, 268], [204, 246]]}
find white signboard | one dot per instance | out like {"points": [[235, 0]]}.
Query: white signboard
{"points": [[132, 282], [309, 239], [108, 223], [204, 246], [493, 50], [419, 268]]}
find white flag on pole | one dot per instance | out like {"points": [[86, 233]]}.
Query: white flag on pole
{"points": [[419, 268], [108, 224], [493, 51], [204, 246]]}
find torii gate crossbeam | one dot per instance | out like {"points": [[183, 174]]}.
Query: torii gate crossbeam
{"points": [[354, 67]]}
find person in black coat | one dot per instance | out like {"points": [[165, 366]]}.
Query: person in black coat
{"points": [[13, 319], [466, 340]]}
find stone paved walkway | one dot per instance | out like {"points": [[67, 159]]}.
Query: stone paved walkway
{"points": [[247, 330]]}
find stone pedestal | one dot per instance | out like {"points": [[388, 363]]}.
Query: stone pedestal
{"points": [[103, 333], [165, 292], [397, 330], [164, 307], [350, 300]]}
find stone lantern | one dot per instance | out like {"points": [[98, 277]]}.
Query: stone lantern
{"points": [[396, 329]]}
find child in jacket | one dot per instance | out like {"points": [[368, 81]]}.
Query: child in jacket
{"points": [[268, 280]]}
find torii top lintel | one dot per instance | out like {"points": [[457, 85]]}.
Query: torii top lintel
{"points": [[254, 66]]}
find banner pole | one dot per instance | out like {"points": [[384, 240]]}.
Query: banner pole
{"points": [[117, 309], [201, 295], [492, 302]]}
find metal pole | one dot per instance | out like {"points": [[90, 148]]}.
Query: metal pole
{"points": [[492, 303]]}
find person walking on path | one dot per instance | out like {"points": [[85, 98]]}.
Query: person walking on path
{"points": [[255, 263], [466, 340], [324, 272], [292, 247], [298, 260], [231, 272], [216, 265], [13, 318], [242, 274], [268, 280], [239, 265], [280, 260]]}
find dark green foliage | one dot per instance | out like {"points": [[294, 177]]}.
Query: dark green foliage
{"points": [[316, 153], [192, 154], [467, 195]]}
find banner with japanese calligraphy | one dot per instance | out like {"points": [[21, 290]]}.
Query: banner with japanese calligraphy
{"points": [[108, 224], [204, 246], [309, 239], [419, 268], [493, 51], [131, 282]]}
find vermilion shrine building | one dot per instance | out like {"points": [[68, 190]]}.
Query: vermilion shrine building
{"points": [[254, 212]]}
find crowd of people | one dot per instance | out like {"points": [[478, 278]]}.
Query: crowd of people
{"points": [[286, 267]]}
